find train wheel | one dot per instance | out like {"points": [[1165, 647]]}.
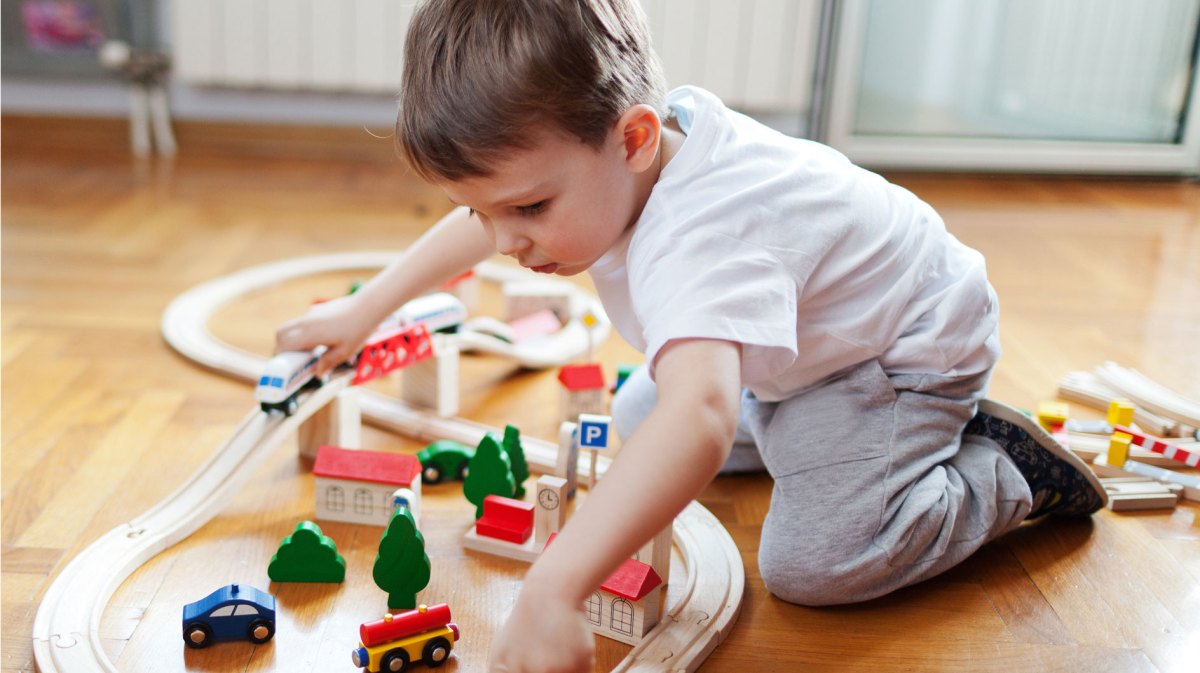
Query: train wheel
{"points": [[292, 406], [394, 662], [436, 652], [463, 468]]}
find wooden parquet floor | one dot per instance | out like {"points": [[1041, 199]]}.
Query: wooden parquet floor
{"points": [[101, 419]]}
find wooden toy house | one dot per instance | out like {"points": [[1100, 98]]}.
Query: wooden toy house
{"points": [[365, 487], [582, 391], [627, 604]]}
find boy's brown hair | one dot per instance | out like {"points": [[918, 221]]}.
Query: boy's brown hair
{"points": [[480, 74]]}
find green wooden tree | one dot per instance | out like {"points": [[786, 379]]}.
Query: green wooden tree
{"points": [[402, 566], [307, 555], [516, 458], [488, 474]]}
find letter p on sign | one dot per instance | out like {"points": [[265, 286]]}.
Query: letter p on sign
{"points": [[593, 431]]}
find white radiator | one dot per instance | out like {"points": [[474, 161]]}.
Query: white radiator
{"points": [[755, 54]]}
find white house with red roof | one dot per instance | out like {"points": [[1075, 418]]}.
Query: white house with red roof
{"points": [[365, 487], [627, 604], [582, 390]]}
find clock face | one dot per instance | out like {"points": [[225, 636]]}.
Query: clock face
{"points": [[548, 499]]}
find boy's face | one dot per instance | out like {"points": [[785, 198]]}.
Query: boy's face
{"points": [[557, 207]]}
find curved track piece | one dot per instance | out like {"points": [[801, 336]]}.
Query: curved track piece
{"points": [[66, 630], [67, 625]]}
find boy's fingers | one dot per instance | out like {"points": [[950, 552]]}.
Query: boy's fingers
{"points": [[332, 358], [327, 362], [291, 337]]}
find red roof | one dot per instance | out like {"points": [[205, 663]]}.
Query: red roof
{"points": [[632, 581], [399, 469], [581, 377]]}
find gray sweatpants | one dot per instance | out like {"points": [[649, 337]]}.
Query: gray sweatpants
{"points": [[876, 487]]}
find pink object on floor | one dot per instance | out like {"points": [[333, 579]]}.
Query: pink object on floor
{"points": [[536, 324]]}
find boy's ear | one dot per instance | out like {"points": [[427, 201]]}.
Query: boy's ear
{"points": [[640, 130]]}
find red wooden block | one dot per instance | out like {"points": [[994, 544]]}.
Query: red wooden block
{"points": [[505, 519]]}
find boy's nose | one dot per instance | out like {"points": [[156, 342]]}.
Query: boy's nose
{"points": [[509, 243]]}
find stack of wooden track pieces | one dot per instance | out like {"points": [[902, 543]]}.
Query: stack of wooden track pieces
{"points": [[1146, 451]]}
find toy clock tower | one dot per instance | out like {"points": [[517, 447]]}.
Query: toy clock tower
{"points": [[551, 499]]}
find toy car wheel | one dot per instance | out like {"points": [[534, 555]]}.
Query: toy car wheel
{"points": [[260, 631], [197, 636], [436, 652], [463, 468], [431, 475], [394, 662]]}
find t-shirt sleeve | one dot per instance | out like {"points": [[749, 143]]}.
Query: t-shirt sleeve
{"points": [[717, 287]]}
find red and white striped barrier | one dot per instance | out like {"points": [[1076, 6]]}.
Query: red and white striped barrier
{"points": [[1167, 449]]}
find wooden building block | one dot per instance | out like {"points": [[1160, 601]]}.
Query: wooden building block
{"points": [[1120, 412], [657, 553], [338, 423], [433, 383], [521, 298], [1136, 493], [528, 551], [567, 465], [1130, 503], [364, 487], [505, 519], [1052, 414], [551, 498], [1118, 449]]}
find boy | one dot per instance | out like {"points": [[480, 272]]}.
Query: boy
{"points": [[766, 279]]}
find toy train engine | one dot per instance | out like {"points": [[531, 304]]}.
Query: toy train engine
{"points": [[390, 644], [284, 377], [440, 311]]}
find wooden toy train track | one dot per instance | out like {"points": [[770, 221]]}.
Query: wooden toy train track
{"points": [[67, 626]]}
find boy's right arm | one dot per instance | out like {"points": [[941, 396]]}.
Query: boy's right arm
{"points": [[453, 245]]}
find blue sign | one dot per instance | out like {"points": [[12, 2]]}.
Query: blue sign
{"points": [[593, 432]]}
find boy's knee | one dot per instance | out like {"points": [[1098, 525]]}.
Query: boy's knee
{"points": [[796, 583], [811, 579]]}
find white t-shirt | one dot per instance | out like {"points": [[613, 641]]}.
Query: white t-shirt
{"points": [[811, 263]]}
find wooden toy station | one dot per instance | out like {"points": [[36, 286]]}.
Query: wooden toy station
{"points": [[225, 523]]}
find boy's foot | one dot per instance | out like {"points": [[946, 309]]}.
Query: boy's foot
{"points": [[1060, 482]]}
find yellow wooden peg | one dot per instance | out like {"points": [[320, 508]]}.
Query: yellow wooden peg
{"points": [[1118, 449], [1120, 412], [1052, 414]]}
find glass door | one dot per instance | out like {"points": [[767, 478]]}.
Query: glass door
{"points": [[1082, 86]]}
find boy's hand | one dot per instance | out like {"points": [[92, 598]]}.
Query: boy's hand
{"points": [[341, 325], [544, 634]]}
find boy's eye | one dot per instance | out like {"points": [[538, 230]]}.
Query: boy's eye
{"points": [[470, 212], [533, 208]]}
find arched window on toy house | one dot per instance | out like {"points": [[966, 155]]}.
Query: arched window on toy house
{"points": [[363, 501], [621, 619], [594, 606], [335, 498]]}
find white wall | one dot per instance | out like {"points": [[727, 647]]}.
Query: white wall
{"points": [[758, 54]]}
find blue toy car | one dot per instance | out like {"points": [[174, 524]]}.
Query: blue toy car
{"points": [[234, 612]]}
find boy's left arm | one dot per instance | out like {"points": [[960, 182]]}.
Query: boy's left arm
{"points": [[661, 468]]}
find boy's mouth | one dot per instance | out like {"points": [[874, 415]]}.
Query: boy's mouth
{"points": [[545, 268]]}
